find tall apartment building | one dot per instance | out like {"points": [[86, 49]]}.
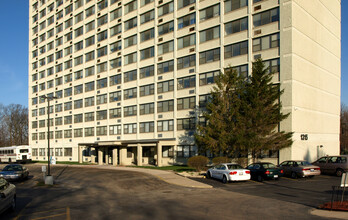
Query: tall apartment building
{"points": [[128, 74]]}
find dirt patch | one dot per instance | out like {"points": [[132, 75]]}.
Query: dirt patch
{"points": [[337, 206]]}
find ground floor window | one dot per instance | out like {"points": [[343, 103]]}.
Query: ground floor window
{"points": [[148, 151], [42, 152], [186, 151], [129, 152], [68, 152], [35, 154], [58, 152], [167, 151]]}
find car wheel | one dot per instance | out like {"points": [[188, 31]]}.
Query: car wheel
{"points": [[224, 179], [293, 175], [259, 178], [208, 175], [13, 203], [339, 172]]}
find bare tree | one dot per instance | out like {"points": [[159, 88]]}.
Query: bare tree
{"points": [[13, 125], [344, 129]]}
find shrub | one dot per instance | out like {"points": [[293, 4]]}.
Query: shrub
{"points": [[198, 162], [217, 160]]}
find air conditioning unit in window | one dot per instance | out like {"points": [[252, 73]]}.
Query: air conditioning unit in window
{"points": [[119, 3], [98, 123], [119, 20], [192, 8], [119, 37], [160, 135], [256, 8], [192, 91], [192, 50], [119, 54], [257, 32], [119, 70], [191, 70], [192, 29], [257, 56], [160, 116], [160, 78], [160, 20], [98, 61], [160, 97], [118, 137], [160, 39], [160, 58]]}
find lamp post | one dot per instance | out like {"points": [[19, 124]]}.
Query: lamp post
{"points": [[49, 98]]}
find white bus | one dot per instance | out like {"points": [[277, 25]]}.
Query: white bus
{"points": [[17, 154]]}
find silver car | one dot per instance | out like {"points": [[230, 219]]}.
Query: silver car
{"points": [[7, 196], [333, 164], [299, 168]]}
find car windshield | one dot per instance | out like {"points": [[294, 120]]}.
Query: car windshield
{"points": [[303, 163], [268, 165], [12, 168], [234, 166]]}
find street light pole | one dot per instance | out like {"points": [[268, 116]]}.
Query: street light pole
{"points": [[49, 98]]}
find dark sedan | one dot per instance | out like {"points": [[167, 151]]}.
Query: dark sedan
{"points": [[262, 170], [14, 172]]}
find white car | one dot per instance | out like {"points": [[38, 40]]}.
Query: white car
{"points": [[229, 172], [7, 196]]}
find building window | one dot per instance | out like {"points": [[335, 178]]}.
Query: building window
{"points": [[68, 152], [203, 100], [115, 14], [187, 82], [78, 89], [187, 41], [102, 36], [68, 133], [114, 129], [90, 26], [90, 11], [58, 152], [130, 7], [89, 86], [266, 17], [147, 35], [89, 56], [115, 113], [115, 63], [78, 132], [78, 75], [166, 28], [185, 62], [89, 41], [102, 115], [115, 80], [165, 47], [89, 102], [58, 108], [115, 96], [147, 71], [78, 60], [145, 2], [231, 5], [165, 67], [131, 23], [78, 18], [209, 34], [184, 3], [102, 99], [237, 49], [166, 86], [147, 108], [166, 9], [78, 104], [130, 41], [89, 71], [130, 58], [167, 151], [209, 56], [68, 51], [236, 26], [103, 130], [42, 124], [58, 121], [115, 46], [102, 51], [79, 46], [78, 118], [208, 78], [186, 124], [67, 120], [146, 17], [186, 103], [67, 92], [186, 151], [130, 111], [89, 132], [102, 67], [187, 20], [130, 128], [68, 23], [241, 70], [78, 31], [146, 127], [165, 106], [115, 30], [147, 90], [102, 4], [272, 65], [210, 12], [147, 53], [130, 76], [42, 151], [266, 42], [167, 125], [130, 93], [102, 20]]}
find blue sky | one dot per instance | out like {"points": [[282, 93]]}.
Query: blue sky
{"points": [[14, 52]]}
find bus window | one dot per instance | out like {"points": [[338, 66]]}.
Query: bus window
{"points": [[24, 151]]}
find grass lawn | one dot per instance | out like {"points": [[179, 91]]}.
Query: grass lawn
{"points": [[174, 168]]}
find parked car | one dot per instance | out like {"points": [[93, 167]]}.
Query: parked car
{"points": [[14, 172], [228, 172], [262, 170], [299, 168], [333, 164], [7, 196]]}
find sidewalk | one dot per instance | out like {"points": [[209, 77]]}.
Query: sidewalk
{"points": [[166, 176]]}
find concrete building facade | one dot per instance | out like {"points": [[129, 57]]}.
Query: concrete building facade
{"points": [[128, 74]]}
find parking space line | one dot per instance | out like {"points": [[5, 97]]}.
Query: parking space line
{"points": [[20, 213], [51, 216], [67, 213], [45, 211], [289, 178]]}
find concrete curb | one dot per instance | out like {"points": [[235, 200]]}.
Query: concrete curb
{"points": [[329, 214]]}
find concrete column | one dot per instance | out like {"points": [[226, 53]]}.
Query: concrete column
{"points": [[106, 155], [123, 155], [140, 155], [159, 154], [80, 154], [100, 156], [92, 155], [114, 157]]}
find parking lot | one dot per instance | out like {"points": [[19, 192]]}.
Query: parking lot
{"points": [[91, 193]]}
